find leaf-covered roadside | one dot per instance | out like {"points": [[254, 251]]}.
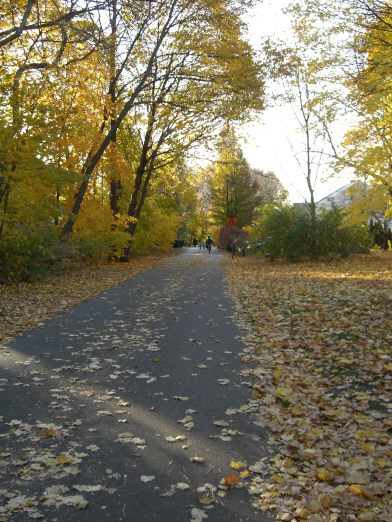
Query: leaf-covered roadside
{"points": [[25, 305], [321, 337]]}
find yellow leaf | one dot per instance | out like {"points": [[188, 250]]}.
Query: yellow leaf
{"points": [[63, 459], [237, 465], [323, 475], [244, 473], [48, 432], [368, 446], [381, 462], [198, 460], [278, 373], [283, 392], [360, 490]]}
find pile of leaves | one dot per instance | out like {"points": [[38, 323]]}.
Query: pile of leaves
{"points": [[320, 335], [26, 305]]}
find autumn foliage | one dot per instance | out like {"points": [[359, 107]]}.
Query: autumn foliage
{"points": [[319, 334], [289, 233], [227, 235], [99, 108]]}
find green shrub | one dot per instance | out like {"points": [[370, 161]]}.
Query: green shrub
{"points": [[289, 233], [28, 253]]}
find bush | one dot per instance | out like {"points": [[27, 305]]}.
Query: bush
{"points": [[28, 253], [227, 235], [97, 234], [287, 232], [156, 229]]}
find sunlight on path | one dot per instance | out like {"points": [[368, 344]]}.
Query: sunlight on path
{"points": [[134, 404]]}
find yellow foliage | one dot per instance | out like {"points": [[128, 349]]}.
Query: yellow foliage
{"points": [[156, 229], [96, 226]]}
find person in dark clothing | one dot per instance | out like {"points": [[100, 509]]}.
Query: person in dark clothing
{"points": [[209, 243], [194, 242]]}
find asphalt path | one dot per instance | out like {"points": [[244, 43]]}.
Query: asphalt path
{"points": [[93, 398]]}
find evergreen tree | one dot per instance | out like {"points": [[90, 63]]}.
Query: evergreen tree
{"points": [[233, 191]]}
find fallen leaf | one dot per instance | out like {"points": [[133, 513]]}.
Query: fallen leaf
{"points": [[87, 489], [169, 493], [221, 423], [198, 460], [145, 478], [237, 465], [232, 481], [175, 439], [361, 490], [182, 486], [205, 498], [198, 515], [63, 459]]}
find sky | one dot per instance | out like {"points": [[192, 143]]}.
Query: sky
{"points": [[269, 142]]}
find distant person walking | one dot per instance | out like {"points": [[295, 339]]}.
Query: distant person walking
{"points": [[194, 242]]}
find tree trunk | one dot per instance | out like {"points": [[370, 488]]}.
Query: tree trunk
{"points": [[146, 166], [115, 183], [92, 163], [131, 229]]}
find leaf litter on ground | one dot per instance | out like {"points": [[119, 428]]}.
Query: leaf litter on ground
{"points": [[27, 305], [320, 335]]}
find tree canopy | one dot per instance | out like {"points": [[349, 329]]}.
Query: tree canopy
{"points": [[233, 191], [100, 104]]}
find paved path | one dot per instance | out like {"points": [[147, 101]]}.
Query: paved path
{"points": [[104, 375]]}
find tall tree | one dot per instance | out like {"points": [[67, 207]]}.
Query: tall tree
{"points": [[354, 40], [232, 189], [271, 190], [150, 32], [193, 89]]}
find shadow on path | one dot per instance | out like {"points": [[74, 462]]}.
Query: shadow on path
{"points": [[104, 378]]}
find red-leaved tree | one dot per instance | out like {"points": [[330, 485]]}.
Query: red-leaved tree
{"points": [[227, 235]]}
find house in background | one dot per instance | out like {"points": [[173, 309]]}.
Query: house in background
{"points": [[361, 196], [341, 197]]}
